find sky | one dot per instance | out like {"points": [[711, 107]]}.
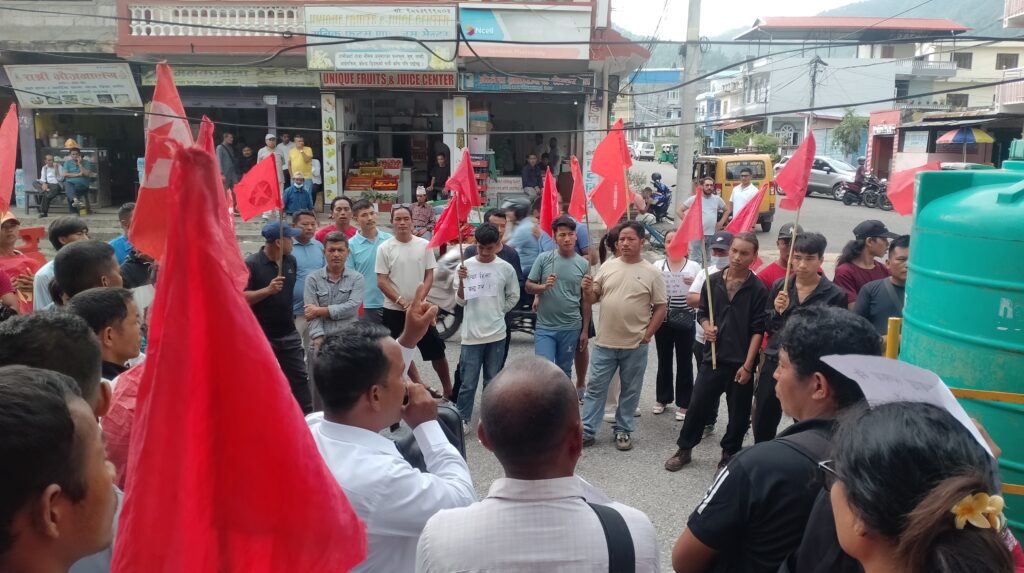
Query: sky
{"points": [[717, 16]]}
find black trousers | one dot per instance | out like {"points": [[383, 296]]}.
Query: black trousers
{"points": [[669, 340], [767, 409], [711, 384], [46, 197], [698, 359], [292, 359]]}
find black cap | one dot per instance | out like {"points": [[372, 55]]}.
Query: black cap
{"points": [[720, 240], [786, 232], [872, 228]]}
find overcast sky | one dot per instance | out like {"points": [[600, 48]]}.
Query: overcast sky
{"points": [[717, 16]]}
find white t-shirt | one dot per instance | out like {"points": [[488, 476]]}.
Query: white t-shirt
{"points": [[405, 264], [741, 196], [698, 283], [710, 206]]}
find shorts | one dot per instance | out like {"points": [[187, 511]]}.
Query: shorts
{"points": [[431, 345]]}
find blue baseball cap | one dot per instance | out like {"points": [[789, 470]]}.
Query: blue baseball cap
{"points": [[273, 230]]}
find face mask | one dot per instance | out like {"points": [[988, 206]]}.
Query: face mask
{"points": [[719, 262]]}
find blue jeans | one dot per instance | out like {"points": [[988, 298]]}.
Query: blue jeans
{"points": [[558, 346], [74, 190], [631, 364], [475, 357]]}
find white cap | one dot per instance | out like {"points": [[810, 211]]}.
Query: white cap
{"points": [[421, 190], [270, 136]]}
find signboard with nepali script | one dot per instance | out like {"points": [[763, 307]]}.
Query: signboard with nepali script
{"points": [[418, 80], [237, 77], [53, 86], [492, 82], [435, 26]]}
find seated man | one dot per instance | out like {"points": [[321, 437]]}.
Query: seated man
{"points": [[756, 509], [538, 517], [360, 377], [57, 503], [114, 318]]}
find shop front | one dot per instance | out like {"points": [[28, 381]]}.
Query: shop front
{"points": [[881, 149]]}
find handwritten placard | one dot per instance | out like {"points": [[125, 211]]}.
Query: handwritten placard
{"points": [[479, 284], [675, 284]]}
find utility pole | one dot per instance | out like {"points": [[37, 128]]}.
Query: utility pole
{"points": [[817, 61], [688, 107]]}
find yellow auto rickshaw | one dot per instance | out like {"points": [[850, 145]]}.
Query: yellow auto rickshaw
{"points": [[725, 170]]}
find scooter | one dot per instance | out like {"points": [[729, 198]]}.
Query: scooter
{"points": [[871, 191], [852, 194], [661, 202], [883, 197]]}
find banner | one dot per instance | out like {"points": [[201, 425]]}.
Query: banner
{"points": [[491, 82], [331, 166], [420, 80], [526, 23], [238, 77], [54, 86]]}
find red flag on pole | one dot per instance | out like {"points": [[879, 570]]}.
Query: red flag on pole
{"points": [[747, 216], [8, 156], [901, 187], [223, 474], [611, 159], [463, 186], [165, 122], [691, 228], [795, 174], [258, 191], [550, 209], [447, 227], [578, 202]]}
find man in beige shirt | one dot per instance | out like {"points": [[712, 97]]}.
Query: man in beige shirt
{"points": [[633, 305], [300, 159]]}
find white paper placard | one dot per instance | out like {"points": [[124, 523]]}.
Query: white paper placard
{"points": [[675, 284], [479, 284]]}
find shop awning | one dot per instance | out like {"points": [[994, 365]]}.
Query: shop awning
{"points": [[736, 124], [947, 123], [619, 53]]}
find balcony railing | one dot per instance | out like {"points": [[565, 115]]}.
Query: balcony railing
{"points": [[1013, 13], [924, 105], [926, 68], [189, 20], [1011, 93]]}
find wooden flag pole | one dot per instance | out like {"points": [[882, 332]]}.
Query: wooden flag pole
{"points": [[280, 247], [590, 237], [789, 259], [458, 225], [711, 310]]}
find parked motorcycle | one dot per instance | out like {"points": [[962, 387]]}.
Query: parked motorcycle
{"points": [[871, 190], [661, 199], [883, 197], [851, 194]]}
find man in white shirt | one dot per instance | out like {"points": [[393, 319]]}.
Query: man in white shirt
{"points": [[51, 180], [405, 272], [711, 204], [537, 518], [742, 193], [272, 147], [360, 377], [62, 231]]}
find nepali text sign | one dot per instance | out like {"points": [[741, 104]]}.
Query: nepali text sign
{"points": [[435, 26], [489, 30], [492, 82], [76, 85], [479, 284], [238, 77], [419, 80]]}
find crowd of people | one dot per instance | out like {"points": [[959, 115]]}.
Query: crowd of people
{"points": [[846, 487]]}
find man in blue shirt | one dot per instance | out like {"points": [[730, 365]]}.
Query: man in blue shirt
{"points": [[297, 197], [309, 257], [533, 176], [77, 177], [363, 257], [123, 248]]}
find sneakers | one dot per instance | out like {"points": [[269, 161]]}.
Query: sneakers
{"points": [[588, 441], [623, 442], [709, 429], [658, 408], [465, 429], [637, 413], [726, 456], [609, 417], [680, 414], [678, 460]]}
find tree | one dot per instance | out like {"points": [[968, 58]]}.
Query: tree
{"points": [[847, 135], [762, 142]]}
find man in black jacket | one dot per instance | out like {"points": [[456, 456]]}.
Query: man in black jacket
{"points": [[806, 288], [756, 511], [739, 300]]}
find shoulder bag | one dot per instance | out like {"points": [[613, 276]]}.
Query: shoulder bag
{"points": [[621, 553]]}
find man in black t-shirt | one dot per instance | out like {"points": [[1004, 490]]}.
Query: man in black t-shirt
{"points": [[269, 293], [438, 173], [879, 300], [755, 511]]}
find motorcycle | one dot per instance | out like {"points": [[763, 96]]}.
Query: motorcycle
{"points": [[883, 197], [661, 202], [852, 194], [870, 189]]}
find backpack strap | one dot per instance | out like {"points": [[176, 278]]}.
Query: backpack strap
{"points": [[621, 554]]}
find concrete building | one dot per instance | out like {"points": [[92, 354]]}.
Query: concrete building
{"points": [[650, 96]]}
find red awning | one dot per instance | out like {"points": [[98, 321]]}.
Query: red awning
{"points": [[606, 43]]}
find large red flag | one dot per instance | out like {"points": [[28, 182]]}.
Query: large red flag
{"points": [[578, 202], [463, 186], [550, 207], [447, 227], [901, 187], [747, 216], [258, 191], [691, 228], [223, 474], [611, 159], [165, 122], [795, 174], [8, 156]]}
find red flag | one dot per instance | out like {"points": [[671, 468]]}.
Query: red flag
{"points": [[901, 187], [166, 122], [691, 228], [447, 227], [578, 202], [223, 474], [795, 174], [550, 207], [463, 186], [8, 156], [258, 191], [611, 159], [747, 216]]}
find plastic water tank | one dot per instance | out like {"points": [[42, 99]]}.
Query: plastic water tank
{"points": [[964, 314]]}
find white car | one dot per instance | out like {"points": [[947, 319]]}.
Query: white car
{"points": [[827, 175], [644, 151]]}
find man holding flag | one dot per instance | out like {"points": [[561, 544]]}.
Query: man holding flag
{"points": [[711, 205]]}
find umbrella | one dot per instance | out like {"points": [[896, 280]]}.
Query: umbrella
{"points": [[965, 135]]}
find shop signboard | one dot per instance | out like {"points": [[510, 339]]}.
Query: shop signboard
{"points": [[489, 29], [55, 86], [331, 162], [433, 25], [411, 80], [237, 77], [592, 136], [553, 83], [915, 141]]}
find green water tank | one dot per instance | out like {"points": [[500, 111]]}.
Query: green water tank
{"points": [[964, 314]]}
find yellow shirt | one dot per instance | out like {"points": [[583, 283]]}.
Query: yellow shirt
{"points": [[628, 295], [301, 162]]}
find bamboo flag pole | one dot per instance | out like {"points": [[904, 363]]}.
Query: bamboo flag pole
{"points": [[590, 239], [711, 310], [789, 259], [458, 225], [280, 241]]}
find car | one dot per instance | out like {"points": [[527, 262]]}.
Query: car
{"points": [[827, 175], [645, 151]]}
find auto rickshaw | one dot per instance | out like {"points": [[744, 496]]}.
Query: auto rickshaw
{"points": [[669, 153]]}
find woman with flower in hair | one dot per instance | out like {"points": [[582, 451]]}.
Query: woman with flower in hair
{"points": [[913, 491]]}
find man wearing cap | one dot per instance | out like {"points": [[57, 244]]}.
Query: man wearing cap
{"points": [[270, 294], [77, 177], [423, 216], [271, 147], [19, 268], [711, 204], [858, 264], [776, 270]]}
